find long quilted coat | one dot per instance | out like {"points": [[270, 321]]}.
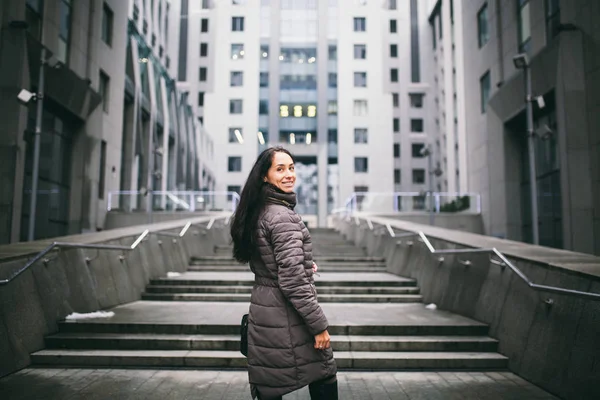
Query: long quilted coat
{"points": [[284, 313]]}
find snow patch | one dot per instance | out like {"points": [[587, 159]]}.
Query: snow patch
{"points": [[431, 307], [96, 314], [172, 274]]}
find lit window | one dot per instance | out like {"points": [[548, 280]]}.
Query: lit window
{"points": [[297, 111], [284, 111], [312, 111], [237, 51]]}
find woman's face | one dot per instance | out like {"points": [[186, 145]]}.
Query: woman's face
{"points": [[282, 173]]}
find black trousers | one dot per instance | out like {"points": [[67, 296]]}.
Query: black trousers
{"points": [[311, 387]]}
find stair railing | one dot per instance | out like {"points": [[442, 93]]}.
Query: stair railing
{"points": [[503, 261], [60, 245]]}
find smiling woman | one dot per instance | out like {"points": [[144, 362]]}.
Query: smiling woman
{"points": [[288, 345]]}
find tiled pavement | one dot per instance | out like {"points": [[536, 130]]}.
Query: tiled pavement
{"points": [[130, 384]]}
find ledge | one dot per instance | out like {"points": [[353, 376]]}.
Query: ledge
{"points": [[577, 263], [26, 249]]}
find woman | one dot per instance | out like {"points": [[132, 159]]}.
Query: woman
{"points": [[288, 342]]}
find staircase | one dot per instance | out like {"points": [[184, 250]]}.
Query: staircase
{"points": [[377, 320]]}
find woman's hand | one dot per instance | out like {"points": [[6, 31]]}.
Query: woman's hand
{"points": [[315, 268], [322, 340]]}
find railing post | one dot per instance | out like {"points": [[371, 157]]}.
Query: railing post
{"points": [[437, 203], [395, 203], [192, 201]]}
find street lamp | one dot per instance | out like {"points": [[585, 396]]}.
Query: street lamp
{"points": [[25, 96], [522, 62]]}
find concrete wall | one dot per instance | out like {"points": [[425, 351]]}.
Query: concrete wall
{"points": [[33, 303], [555, 346]]}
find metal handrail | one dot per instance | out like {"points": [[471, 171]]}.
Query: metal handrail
{"points": [[139, 239], [503, 263]]}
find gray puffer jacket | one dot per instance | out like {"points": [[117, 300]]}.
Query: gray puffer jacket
{"points": [[284, 312]]}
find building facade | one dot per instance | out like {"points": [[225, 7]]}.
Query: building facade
{"points": [[108, 101], [330, 81], [560, 40]]}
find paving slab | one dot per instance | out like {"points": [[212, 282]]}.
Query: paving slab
{"points": [[74, 384], [228, 313]]}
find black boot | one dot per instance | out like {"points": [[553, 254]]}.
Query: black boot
{"points": [[323, 391]]}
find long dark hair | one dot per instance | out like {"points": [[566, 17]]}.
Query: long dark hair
{"points": [[252, 202]]}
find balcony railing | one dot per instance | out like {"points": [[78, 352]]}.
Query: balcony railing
{"points": [[190, 201]]}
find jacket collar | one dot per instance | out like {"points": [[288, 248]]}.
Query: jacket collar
{"points": [[276, 196]]}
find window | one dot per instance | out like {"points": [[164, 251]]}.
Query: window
{"points": [[332, 136], [264, 51], [397, 176], [361, 164], [204, 25], [360, 51], [391, 4], [360, 79], [237, 78], [200, 99], [552, 19], [235, 106], [418, 176], [263, 107], [332, 108], [332, 80], [203, 49], [107, 24], [393, 26], [205, 4], [33, 16], [416, 100], [417, 150], [524, 25], [395, 100], [264, 79], [396, 150], [237, 51], [237, 24], [393, 50], [394, 74], [102, 177], [104, 90], [484, 84], [202, 74], [295, 55], [360, 135], [416, 125], [235, 135], [332, 53], [303, 82], [234, 164], [360, 24], [433, 34], [360, 108], [396, 125], [238, 2], [482, 26], [64, 31]]}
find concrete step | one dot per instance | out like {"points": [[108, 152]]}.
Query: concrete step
{"points": [[233, 359], [116, 341], [234, 329], [223, 278], [322, 268], [325, 298], [383, 290]]}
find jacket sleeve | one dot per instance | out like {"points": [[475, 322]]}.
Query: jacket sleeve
{"points": [[286, 239]]}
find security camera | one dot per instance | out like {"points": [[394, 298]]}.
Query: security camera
{"points": [[540, 102], [25, 96]]}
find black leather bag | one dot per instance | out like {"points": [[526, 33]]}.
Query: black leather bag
{"points": [[244, 335]]}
